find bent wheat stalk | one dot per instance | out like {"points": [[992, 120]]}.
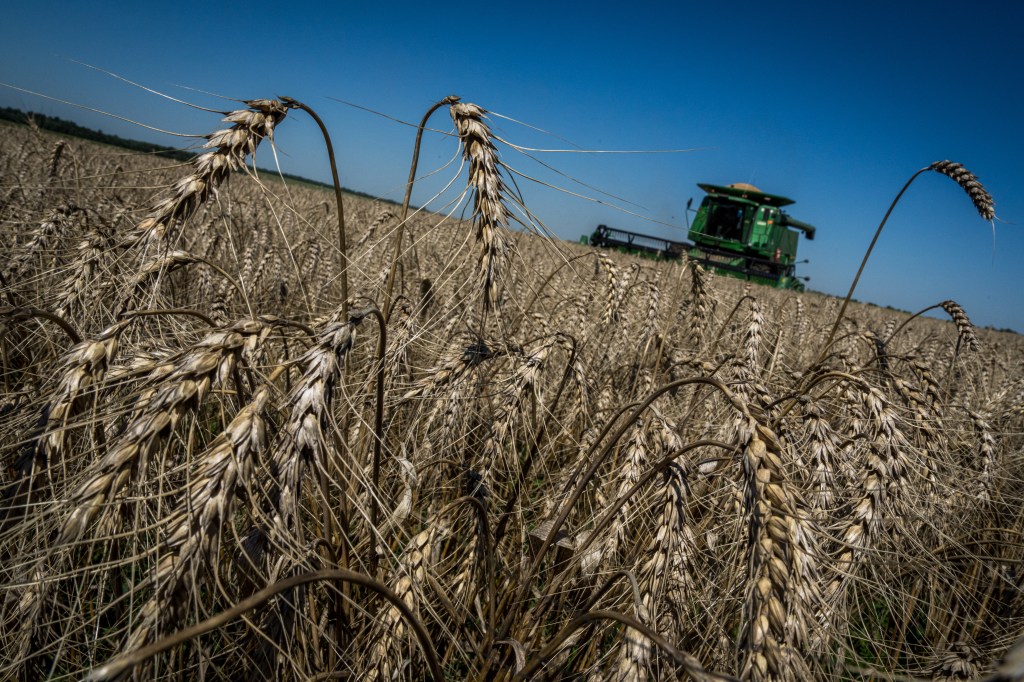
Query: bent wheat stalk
{"points": [[342, 248], [122, 664], [980, 197], [964, 327], [396, 243]]}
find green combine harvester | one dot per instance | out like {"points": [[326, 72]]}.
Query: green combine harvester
{"points": [[739, 231]]}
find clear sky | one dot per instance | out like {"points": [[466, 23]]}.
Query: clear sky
{"points": [[832, 104]]}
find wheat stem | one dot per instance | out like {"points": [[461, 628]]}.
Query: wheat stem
{"points": [[396, 242], [124, 663], [981, 199], [343, 274]]}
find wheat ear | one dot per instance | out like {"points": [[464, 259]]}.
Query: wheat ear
{"points": [[666, 561], [196, 527], [408, 583], [490, 215], [980, 197], [301, 438], [782, 583], [963, 324], [700, 304], [159, 409], [83, 369], [229, 148]]}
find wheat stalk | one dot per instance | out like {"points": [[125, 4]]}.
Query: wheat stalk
{"points": [[781, 593], [668, 559], [700, 304], [409, 582], [979, 196]]}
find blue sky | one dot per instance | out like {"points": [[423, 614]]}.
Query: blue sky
{"points": [[833, 105]]}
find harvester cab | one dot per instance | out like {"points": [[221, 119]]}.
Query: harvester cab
{"points": [[738, 231]]}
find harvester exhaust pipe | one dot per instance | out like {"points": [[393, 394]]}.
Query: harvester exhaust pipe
{"points": [[806, 228]]}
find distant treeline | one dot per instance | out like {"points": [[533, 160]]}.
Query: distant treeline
{"points": [[64, 127]]}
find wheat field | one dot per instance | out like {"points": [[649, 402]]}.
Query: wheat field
{"points": [[244, 439]]}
